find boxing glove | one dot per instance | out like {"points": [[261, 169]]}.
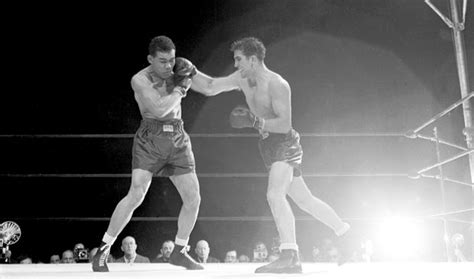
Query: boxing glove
{"points": [[242, 117]]}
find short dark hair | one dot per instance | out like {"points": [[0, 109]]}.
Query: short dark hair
{"points": [[160, 44], [250, 46]]}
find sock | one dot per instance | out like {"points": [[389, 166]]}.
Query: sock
{"points": [[181, 242], [343, 230], [289, 246], [109, 240]]}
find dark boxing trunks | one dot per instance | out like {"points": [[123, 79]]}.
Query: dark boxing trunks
{"points": [[282, 148], [163, 148]]}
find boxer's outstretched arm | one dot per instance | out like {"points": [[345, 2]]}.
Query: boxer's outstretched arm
{"points": [[210, 86]]}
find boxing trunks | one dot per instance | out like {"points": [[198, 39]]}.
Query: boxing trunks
{"points": [[276, 147], [163, 148]]}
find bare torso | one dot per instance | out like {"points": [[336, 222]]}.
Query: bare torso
{"points": [[162, 88], [259, 96]]}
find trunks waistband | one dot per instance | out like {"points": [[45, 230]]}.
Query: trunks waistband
{"points": [[171, 125]]}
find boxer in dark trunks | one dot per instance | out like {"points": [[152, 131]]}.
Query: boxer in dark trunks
{"points": [[268, 98], [161, 146]]}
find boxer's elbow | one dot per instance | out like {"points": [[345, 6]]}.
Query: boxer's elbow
{"points": [[285, 125]]}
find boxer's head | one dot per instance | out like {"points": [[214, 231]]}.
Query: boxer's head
{"points": [[161, 56]]}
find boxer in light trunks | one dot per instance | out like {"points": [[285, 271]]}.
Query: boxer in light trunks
{"points": [[161, 146], [268, 110]]}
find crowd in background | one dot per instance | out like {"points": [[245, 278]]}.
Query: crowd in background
{"points": [[325, 251]]}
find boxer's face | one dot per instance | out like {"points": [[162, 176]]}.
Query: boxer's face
{"points": [[162, 63], [243, 64]]}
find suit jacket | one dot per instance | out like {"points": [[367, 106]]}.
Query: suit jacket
{"points": [[161, 260], [209, 260], [138, 259]]}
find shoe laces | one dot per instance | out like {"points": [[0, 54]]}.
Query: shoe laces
{"points": [[185, 249], [104, 256]]}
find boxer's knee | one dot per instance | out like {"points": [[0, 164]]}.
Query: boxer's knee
{"points": [[192, 200], [141, 181], [275, 197], [137, 193], [135, 197]]}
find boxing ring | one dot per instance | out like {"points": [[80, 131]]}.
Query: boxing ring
{"points": [[433, 172], [243, 270]]}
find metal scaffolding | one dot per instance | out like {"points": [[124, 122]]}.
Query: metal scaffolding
{"points": [[457, 24]]}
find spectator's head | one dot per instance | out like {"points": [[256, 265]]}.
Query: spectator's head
{"points": [[244, 259], [129, 247], [24, 259], [68, 257], [327, 244], [79, 246], [457, 240], [202, 249], [55, 259], [260, 252], [260, 246], [333, 254], [166, 248], [81, 254], [231, 256]]}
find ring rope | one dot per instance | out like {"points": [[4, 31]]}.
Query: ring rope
{"points": [[236, 135], [203, 135], [220, 218], [226, 175], [205, 175]]}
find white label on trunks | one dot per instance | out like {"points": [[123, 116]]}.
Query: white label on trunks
{"points": [[168, 128]]}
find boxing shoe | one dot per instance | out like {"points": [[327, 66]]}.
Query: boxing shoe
{"points": [[288, 262], [99, 261], [180, 257], [348, 244]]}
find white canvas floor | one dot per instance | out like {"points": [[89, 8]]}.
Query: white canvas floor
{"points": [[229, 271]]}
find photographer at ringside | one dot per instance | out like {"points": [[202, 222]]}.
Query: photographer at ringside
{"points": [[81, 254]]}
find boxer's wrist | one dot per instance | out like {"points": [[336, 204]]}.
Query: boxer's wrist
{"points": [[259, 123]]}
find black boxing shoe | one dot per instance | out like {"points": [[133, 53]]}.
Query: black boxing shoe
{"points": [[99, 261], [289, 262], [348, 245], [180, 257]]}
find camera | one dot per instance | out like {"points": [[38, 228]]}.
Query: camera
{"points": [[81, 255], [259, 256], [276, 246]]}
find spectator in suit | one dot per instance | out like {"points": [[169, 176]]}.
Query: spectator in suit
{"points": [[244, 258], [231, 257], [165, 252], [129, 248], [260, 252], [202, 253], [25, 259], [55, 259], [68, 257]]}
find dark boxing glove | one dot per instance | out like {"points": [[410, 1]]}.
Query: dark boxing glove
{"points": [[242, 117], [183, 70]]}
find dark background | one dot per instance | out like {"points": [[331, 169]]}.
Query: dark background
{"points": [[353, 66]]}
